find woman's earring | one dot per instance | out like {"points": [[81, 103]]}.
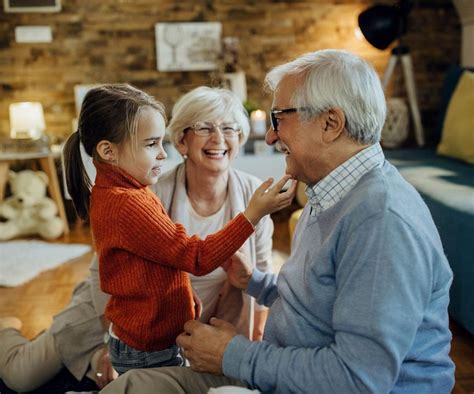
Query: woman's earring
{"points": [[185, 156]]}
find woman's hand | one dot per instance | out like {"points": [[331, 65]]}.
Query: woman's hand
{"points": [[104, 371], [197, 305], [259, 320], [239, 270], [268, 199]]}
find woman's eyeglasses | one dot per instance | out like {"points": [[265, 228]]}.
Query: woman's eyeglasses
{"points": [[206, 129]]}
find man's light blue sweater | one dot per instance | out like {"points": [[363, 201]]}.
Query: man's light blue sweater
{"points": [[360, 305]]}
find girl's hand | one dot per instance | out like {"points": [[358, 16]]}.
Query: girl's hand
{"points": [[268, 199]]}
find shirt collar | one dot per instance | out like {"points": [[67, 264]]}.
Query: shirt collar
{"points": [[339, 182]]}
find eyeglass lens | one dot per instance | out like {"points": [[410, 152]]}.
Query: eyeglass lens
{"points": [[273, 121], [207, 128]]}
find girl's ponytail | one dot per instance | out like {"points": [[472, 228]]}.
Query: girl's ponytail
{"points": [[77, 181]]}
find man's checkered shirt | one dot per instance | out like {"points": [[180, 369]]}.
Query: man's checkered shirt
{"points": [[332, 188]]}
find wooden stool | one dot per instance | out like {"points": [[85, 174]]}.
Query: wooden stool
{"points": [[46, 162]]}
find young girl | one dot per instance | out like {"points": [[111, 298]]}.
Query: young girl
{"points": [[143, 255]]}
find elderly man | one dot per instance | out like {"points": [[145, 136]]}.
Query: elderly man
{"points": [[361, 303]]}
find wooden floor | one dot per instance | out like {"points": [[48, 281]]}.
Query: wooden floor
{"points": [[38, 300]]}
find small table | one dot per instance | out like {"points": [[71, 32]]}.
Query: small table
{"points": [[46, 162]]}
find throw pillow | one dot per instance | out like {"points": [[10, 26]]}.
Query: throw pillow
{"points": [[450, 82], [458, 131]]}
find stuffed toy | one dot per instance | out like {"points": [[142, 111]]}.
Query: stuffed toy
{"points": [[28, 211]]}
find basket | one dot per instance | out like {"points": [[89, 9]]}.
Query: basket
{"points": [[395, 129]]}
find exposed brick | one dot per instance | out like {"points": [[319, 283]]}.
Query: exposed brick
{"points": [[109, 41]]}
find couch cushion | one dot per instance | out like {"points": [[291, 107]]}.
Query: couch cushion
{"points": [[450, 82], [458, 132], [450, 182], [447, 186]]}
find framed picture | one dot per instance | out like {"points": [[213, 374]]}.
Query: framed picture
{"points": [[236, 82], [187, 46], [80, 92], [32, 5]]}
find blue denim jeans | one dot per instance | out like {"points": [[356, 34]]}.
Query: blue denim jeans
{"points": [[124, 357]]}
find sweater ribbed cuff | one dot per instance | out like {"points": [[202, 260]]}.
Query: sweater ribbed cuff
{"points": [[247, 219], [233, 356]]}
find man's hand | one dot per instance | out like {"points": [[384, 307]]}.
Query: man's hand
{"points": [[105, 373], [239, 270], [204, 345]]}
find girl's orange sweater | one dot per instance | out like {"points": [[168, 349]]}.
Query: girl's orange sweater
{"points": [[144, 257]]}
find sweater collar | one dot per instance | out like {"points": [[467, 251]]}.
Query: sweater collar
{"points": [[109, 175]]}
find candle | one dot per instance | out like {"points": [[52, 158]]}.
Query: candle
{"points": [[258, 122]]}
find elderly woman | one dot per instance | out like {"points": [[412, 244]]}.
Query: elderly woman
{"points": [[208, 126]]}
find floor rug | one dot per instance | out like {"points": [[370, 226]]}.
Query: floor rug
{"points": [[21, 261]]}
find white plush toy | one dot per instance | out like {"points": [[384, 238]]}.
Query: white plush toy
{"points": [[29, 211]]}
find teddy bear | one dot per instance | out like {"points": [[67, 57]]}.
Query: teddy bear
{"points": [[28, 211]]}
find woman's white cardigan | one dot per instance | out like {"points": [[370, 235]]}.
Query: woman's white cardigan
{"points": [[234, 305]]}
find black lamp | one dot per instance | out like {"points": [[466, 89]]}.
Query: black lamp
{"points": [[381, 25]]}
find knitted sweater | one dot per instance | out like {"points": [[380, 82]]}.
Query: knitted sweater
{"points": [[361, 304], [142, 258]]}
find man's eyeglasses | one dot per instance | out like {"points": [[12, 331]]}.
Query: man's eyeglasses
{"points": [[206, 129], [274, 112]]}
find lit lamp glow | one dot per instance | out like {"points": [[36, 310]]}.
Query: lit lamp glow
{"points": [[26, 120], [258, 121]]}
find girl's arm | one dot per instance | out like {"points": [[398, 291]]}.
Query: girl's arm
{"points": [[146, 224]]}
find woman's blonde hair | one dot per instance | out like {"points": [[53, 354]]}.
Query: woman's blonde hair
{"points": [[205, 104]]}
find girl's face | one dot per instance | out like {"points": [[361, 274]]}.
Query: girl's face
{"points": [[213, 153], [143, 159]]}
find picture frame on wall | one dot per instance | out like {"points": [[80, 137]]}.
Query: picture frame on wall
{"points": [[32, 5], [80, 92], [193, 46], [236, 82]]}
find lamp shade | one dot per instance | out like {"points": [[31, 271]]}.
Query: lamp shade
{"points": [[380, 25], [26, 120]]}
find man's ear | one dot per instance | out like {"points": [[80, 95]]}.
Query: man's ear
{"points": [[107, 151], [334, 123]]}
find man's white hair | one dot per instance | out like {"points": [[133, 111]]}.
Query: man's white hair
{"points": [[205, 104], [333, 78]]}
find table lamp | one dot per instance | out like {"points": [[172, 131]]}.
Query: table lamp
{"points": [[381, 25], [26, 120]]}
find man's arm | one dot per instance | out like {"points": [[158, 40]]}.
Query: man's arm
{"points": [[380, 301], [263, 249], [258, 284]]}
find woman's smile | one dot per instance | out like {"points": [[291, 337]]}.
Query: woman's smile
{"points": [[215, 153]]}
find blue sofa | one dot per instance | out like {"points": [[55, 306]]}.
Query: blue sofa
{"points": [[447, 186]]}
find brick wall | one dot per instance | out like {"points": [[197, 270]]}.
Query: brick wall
{"points": [[113, 41]]}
